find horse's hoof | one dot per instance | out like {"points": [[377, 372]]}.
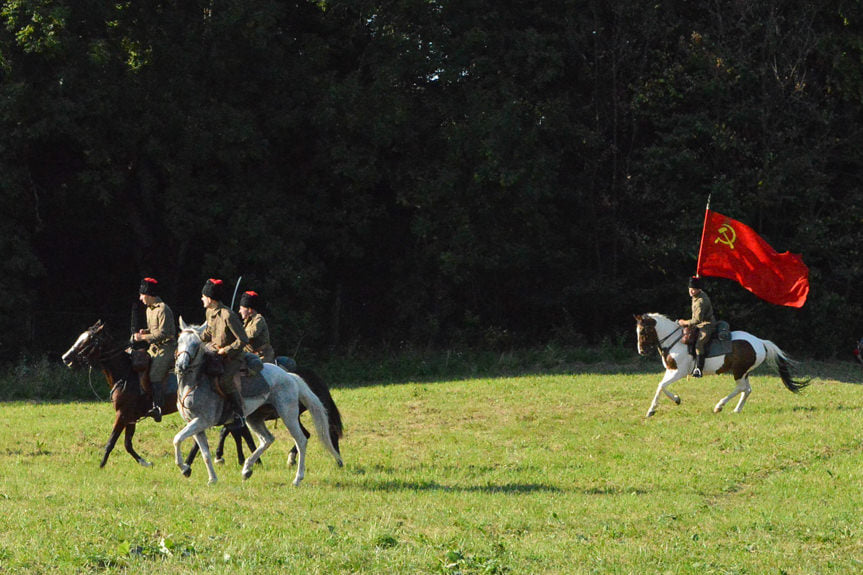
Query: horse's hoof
{"points": [[187, 471], [219, 461], [297, 482], [340, 462], [717, 409], [651, 413], [247, 474], [212, 481], [145, 463], [677, 399]]}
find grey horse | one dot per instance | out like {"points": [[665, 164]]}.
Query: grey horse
{"points": [[201, 407]]}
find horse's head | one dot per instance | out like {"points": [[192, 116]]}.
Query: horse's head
{"points": [[189, 346], [645, 329], [87, 349]]}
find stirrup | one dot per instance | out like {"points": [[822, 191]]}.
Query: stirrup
{"points": [[237, 423], [156, 413]]}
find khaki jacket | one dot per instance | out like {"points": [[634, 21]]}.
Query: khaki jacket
{"points": [[225, 329], [702, 312], [161, 329], [259, 337]]}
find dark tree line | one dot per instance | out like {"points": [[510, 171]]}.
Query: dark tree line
{"points": [[425, 173]]}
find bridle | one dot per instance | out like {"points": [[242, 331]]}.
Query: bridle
{"points": [[91, 354], [664, 350], [194, 362], [192, 358]]}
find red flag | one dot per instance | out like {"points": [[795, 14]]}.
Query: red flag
{"points": [[730, 249]]}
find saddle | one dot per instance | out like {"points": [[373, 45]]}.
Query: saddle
{"points": [[251, 380], [719, 343]]}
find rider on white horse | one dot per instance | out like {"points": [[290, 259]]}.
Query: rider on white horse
{"points": [[227, 337], [702, 318]]}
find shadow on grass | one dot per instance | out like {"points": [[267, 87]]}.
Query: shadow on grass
{"points": [[397, 485], [409, 485]]}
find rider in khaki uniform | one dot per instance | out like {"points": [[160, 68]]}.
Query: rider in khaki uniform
{"points": [[702, 318], [256, 327], [228, 338], [161, 335]]}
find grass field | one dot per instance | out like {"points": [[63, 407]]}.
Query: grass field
{"points": [[536, 474]]}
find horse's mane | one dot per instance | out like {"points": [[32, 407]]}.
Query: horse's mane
{"points": [[659, 316], [662, 319]]}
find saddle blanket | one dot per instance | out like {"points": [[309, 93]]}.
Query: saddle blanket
{"points": [[718, 347], [252, 385]]}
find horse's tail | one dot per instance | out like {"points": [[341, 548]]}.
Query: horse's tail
{"points": [[783, 363], [319, 388], [319, 416]]}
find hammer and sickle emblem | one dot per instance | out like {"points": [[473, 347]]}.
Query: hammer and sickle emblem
{"points": [[727, 236]]}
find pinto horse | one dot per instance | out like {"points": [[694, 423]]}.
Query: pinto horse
{"points": [[747, 352], [96, 348]]}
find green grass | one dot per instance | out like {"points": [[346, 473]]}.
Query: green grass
{"points": [[533, 474]]}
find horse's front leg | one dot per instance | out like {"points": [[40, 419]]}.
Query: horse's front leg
{"points": [[220, 447], [671, 375], [193, 452], [192, 429], [201, 440], [127, 442], [112, 439]]}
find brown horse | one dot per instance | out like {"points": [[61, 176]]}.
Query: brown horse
{"points": [[96, 348]]}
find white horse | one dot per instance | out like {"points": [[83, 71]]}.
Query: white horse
{"points": [[747, 352], [201, 407]]}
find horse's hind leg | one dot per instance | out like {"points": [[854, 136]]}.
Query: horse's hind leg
{"points": [[747, 389], [292, 456], [742, 387], [259, 426], [246, 434], [289, 411], [127, 442]]}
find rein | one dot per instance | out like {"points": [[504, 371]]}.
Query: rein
{"points": [[90, 381], [193, 370], [664, 350]]}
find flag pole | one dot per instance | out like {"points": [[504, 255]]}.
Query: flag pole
{"points": [[703, 233]]}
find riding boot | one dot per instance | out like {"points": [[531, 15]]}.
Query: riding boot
{"points": [[156, 411], [699, 365], [237, 405]]}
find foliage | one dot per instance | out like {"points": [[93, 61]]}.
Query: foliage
{"points": [[425, 173]]}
